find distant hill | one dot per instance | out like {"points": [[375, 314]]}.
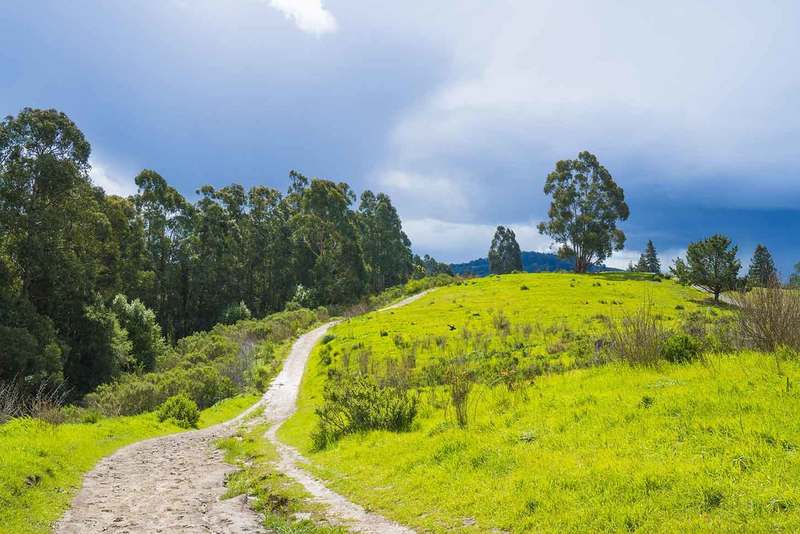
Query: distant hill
{"points": [[532, 262]]}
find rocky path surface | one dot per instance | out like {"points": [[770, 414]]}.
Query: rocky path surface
{"points": [[174, 484]]}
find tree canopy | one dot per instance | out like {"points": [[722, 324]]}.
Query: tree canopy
{"points": [[586, 205], [92, 284], [762, 272], [504, 253], [710, 264]]}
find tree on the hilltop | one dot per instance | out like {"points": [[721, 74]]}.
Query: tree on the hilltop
{"points": [[586, 205], [648, 261], [504, 253], [710, 264], [762, 271], [651, 258]]}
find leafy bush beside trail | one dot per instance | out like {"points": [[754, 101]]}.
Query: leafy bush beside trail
{"points": [[181, 410], [358, 403], [208, 366]]}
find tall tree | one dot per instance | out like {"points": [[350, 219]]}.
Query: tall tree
{"points": [[268, 252], [648, 260], [710, 264], [586, 205], [387, 249], [167, 220], [504, 253], [762, 272], [325, 230], [651, 258]]}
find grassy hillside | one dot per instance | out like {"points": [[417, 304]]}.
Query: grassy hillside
{"points": [[703, 446]]}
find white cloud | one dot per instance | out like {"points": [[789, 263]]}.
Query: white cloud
{"points": [[308, 15], [642, 88], [112, 185]]}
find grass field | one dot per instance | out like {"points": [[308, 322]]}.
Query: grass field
{"points": [[42, 465], [706, 446]]}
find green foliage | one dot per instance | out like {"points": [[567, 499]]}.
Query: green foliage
{"points": [[681, 348], [144, 333], [206, 367], [67, 250], [387, 249], [358, 403], [427, 266], [586, 205], [648, 261], [181, 410], [710, 264], [762, 272], [235, 313], [504, 254], [101, 349]]}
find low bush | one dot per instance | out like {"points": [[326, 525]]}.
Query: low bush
{"points": [[638, 337], [681, 348], [181, 410], [358, 403]]}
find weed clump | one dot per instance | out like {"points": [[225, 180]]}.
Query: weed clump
{"points": [[181, 410], [770, 317]]}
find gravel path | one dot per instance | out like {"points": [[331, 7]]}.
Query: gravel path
{"points": [[174, 484]]}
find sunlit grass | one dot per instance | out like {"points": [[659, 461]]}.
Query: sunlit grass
{"points": [[42, 465], [708, 446]]}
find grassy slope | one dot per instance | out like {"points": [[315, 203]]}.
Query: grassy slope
{"points": [[42, 465], [701, 447]]}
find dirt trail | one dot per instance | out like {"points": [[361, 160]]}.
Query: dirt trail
{"points": [[281, 402], [174, 484]]}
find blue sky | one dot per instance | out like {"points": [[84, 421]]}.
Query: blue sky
{"points": [[457, 109]]}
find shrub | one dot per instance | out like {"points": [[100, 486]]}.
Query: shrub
{"points": [[181, 410], [638, 337], [358, 403], [770, 317], [679, 348], [144, 333], [235, 313]]}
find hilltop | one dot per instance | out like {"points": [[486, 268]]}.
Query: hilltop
{"points": [[532, 262]]}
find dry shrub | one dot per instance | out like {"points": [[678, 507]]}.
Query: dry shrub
{"points": [[638, 337], [44, 403], [769, 317]]}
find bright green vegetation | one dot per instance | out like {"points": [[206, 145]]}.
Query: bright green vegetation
{"points": [[589, 444], [42, 465], [283, 502]]}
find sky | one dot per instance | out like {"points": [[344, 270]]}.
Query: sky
{"points": [[458, 109]]}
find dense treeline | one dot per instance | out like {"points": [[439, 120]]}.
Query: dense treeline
{"points": [[67, 250]]}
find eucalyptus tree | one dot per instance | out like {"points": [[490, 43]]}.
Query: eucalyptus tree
{"points": [[504, 253], [586, 205]]}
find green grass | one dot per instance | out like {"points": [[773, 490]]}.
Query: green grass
{"points": [[283, 503], [707, 446], [42, 465]]}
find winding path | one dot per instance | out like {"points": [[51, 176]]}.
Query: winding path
{"points": [[174, 484]]}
